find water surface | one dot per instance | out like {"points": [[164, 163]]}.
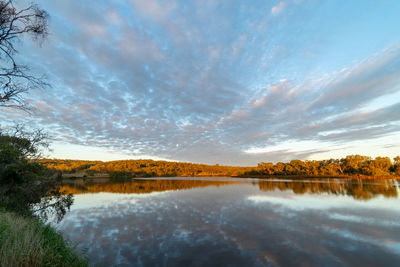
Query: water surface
{"points": [[236, 222]]}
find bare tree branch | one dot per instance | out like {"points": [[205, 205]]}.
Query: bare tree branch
{"points": [[15, 79]]}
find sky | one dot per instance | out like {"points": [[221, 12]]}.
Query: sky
{"points": [[227, 82]]}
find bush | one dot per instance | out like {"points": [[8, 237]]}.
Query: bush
{"points": [[26, 187]]}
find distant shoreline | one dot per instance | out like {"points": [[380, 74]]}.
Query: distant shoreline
{"points": [[105, 176], [316, 177], [350, 167]]}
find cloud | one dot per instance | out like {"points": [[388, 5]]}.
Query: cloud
{"points": [[276, 10], [188, 81], [376, 76], [287, 111]]}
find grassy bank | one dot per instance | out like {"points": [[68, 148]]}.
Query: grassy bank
{"points": [[28, 242]]}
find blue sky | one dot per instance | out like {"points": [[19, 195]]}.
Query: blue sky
{"points": [[228, 82]]}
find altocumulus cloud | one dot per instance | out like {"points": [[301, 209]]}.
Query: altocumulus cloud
{"points": [[213, 82]]}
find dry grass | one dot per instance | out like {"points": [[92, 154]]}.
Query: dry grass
{"points": [[28, 242]]}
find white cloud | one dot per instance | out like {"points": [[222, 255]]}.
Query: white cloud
{"points": [[276, 10], [170, 82]]}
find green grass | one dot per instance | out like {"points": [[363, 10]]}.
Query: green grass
{"points": [[29, 242]]}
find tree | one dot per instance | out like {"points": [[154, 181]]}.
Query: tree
{"points": [[352, 164], [27, 187], [396, 165], [380, 166], [29, 144], [14, 24], [266, 168]]}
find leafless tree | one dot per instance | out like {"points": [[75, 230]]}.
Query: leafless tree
{"points": [[15, 79]]}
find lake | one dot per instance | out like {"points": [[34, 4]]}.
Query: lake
{"points": [[236, 222]]}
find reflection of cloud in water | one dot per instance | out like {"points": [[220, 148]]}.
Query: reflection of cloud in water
{"points": [[390, 244], [364, 220], [237, 225], [323, 201], [85, 201]]}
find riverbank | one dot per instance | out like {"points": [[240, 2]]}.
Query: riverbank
{"points": [[29, 242]]}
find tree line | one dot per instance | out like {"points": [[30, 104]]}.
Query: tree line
{"points": [[350, 166]]}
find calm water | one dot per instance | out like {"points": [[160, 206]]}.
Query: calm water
{"points": [[236, 222]]}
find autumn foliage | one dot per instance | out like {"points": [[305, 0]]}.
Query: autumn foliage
{"points": [[350, 166]]}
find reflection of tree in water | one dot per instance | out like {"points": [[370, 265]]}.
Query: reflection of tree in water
{"points": [[139, 186], [359, 189]]}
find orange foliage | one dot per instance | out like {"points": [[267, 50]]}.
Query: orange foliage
{"points": [[354, 165], [359, 189], [141, 186]]}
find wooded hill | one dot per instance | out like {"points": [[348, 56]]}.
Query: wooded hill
{"points": [[353, 165]]}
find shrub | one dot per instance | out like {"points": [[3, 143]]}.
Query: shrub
{"points": [[26, 187]]}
